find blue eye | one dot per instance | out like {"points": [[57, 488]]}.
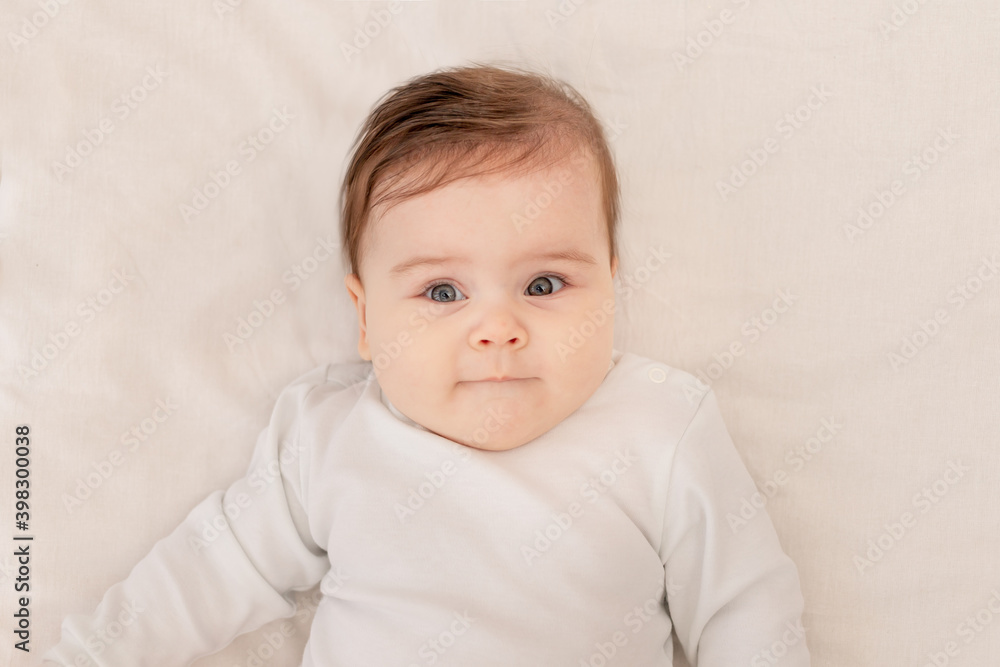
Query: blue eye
{"points": [[444, 293], [545, 285]]}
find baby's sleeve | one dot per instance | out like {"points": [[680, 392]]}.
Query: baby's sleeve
{"points": [[227, 569], [733, 595]]}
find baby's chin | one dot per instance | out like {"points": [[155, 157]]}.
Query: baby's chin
{"points": [[490, 416], [493, 442], [500, 423]]}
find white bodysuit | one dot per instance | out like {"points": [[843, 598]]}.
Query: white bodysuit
{"points": [[566, 551]]}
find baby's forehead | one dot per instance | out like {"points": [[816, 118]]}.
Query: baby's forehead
{"points": [[434, 171], [505, 219], [523, 195], [538, 184]]}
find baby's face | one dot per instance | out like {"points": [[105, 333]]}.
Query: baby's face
{"points": [[487, 303]]}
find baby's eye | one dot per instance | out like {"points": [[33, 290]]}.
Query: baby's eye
{"points": [[444, 292], [544, 285]]}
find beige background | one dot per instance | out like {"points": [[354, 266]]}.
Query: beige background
{"points": [[808, 112]]}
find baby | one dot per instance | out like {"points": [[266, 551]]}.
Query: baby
{"points": [[494, 484]]}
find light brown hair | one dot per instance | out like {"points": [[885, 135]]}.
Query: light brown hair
{"points": [[467, 121]]}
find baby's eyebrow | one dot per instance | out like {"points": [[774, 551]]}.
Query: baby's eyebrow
{"points": [[409, 265], [574, 256]]}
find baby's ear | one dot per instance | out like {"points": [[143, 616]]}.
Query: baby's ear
{"points": [[357, 292]]}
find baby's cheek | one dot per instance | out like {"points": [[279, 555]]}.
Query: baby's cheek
{"points": [[391, 339], [588, 330]]}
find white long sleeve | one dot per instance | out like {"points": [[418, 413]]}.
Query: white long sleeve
{"points": [[217, 575], [732, 592]]}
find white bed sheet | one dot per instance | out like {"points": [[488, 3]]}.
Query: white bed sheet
{"points": [[821, 178]]}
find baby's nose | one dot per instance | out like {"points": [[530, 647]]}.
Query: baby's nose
{"points": [[498, 326]]}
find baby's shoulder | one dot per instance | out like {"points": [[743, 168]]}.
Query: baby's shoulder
{"points": [[326, 386], [661, 394]]}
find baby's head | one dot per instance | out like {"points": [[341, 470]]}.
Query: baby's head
{"points": [[479, 214]]}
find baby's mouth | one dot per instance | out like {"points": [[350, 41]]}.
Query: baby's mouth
{"points": [[498, 379]]}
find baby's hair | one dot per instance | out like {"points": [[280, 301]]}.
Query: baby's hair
{"points": [[467, 121]]}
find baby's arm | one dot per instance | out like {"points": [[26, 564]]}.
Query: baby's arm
{"points": [[199, 588], [732, 592]]}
